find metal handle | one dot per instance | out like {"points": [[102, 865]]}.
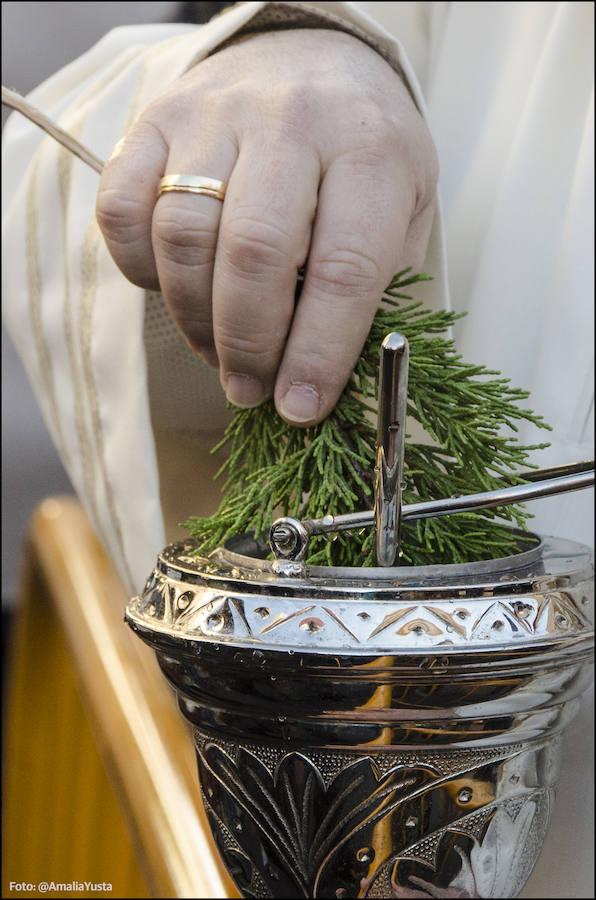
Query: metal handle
{"points": [[541, 487], [391, 432]]}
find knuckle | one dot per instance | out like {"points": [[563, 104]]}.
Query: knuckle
{"points": [[246, 351], [181, 235], [233, 343], [386, 130], [118, 215], [407, 140], [195, 328], [293, 108], [252, 247], [345, 271], [377, 141], [375, 124]]}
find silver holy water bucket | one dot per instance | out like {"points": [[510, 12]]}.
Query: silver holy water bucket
{"points": [[367, 732], [381, 731]]}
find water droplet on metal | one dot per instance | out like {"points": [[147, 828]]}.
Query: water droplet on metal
{"points": [[465, 795], [258, 657], [363, 615], [498, 625], [411, 822], [514, 778], [262, 611]]}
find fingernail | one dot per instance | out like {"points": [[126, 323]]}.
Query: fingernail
{"points": [[244, 391], [301, 403]]}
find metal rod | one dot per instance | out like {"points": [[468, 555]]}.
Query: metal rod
{"points": [[552, 471], [450, 505], [391, 432], [541, 487], [501, 497]]}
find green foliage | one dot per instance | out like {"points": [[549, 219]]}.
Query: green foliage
{"points": [[276, 469]]}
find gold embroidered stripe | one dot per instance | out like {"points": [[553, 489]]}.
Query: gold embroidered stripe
{"points": [[35, 289], [65, 164]]}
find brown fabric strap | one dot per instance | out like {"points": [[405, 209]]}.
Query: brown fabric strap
{"points": [[280, 16]]}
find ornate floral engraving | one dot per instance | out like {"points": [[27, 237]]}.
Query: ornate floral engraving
{"points": [[404, 830]]}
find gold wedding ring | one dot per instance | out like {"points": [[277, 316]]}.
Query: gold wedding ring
{"points": [[193, 184]]}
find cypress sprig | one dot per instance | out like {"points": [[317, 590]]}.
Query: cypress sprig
{"points": [[467, 412]]}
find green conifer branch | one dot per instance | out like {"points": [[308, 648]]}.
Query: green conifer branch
{"points": [[276, 469]]}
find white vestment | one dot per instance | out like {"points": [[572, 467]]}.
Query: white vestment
{"points": [[507, 90]]}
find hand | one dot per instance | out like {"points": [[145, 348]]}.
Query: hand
{"points": [[328, 164]]}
